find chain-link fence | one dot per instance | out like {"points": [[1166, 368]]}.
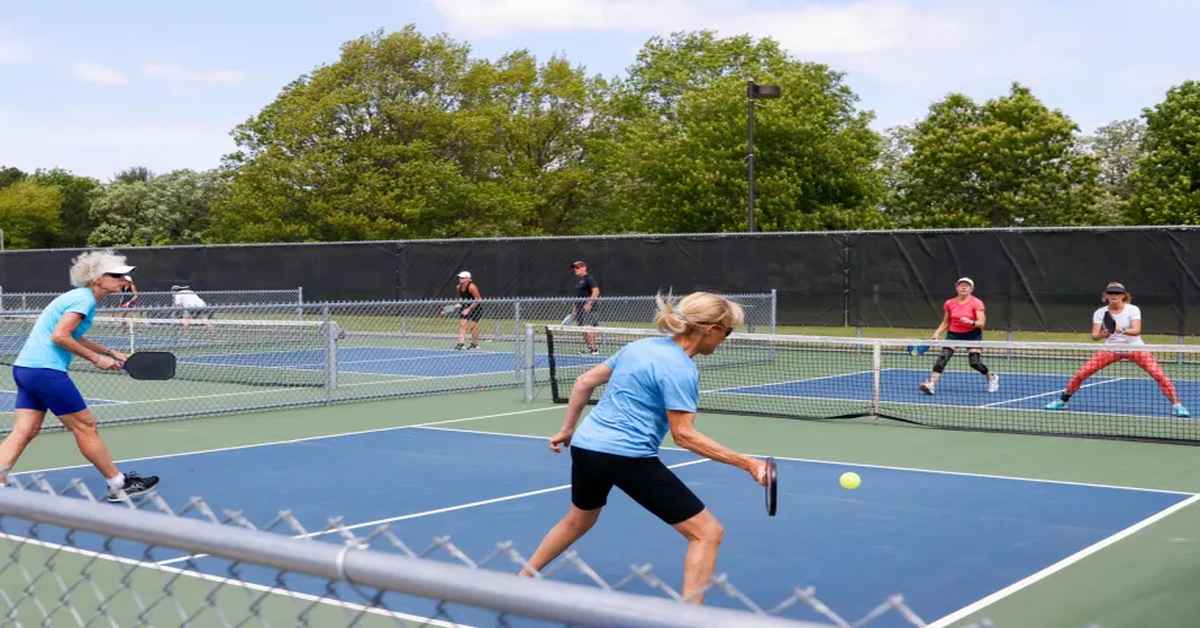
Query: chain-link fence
{"points": [[67, 560], [235, 358], [162, 298]]}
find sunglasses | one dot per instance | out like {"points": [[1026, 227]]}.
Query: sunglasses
{"points": [[727, 330], [1114, 293]]}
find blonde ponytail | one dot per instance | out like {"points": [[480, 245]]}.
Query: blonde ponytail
{"points": [[694, 310]]}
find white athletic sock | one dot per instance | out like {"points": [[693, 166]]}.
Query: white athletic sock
{"points": [[4, 475], [116, 482]]}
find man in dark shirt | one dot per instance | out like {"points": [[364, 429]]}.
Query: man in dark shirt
{"points": [[588, 292]]}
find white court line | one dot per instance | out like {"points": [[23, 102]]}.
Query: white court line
{"points": [[85, 398], [228, 581], [842, 463], [436, 511], [1053, 392], [301, 440], [1060, 565]]}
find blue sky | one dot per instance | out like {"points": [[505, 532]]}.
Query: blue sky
{"points": [[97, 87]]}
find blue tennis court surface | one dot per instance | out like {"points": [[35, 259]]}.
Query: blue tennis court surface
{"points": [[1025, 391], [942, 540]]}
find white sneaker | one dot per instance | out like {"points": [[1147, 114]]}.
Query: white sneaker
{"points": [[993, 382], [925, 387]]}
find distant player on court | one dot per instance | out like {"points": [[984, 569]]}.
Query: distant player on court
{"points": [[652, 385], [1126, 323], [190, 305], [963, 318], [40, 372], [588, 291], [470, 311]]}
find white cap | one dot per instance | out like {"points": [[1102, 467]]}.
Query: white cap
{"points": [[466, 274], [117, 269], [965, 280]]}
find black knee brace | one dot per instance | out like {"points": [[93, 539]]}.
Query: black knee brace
{"points": [[976, 362], [940, 364]]}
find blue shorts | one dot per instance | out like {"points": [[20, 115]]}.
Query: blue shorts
{"points": [[42, 389]]}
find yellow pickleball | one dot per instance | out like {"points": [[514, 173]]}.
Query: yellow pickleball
{"points": [[850, 480]]}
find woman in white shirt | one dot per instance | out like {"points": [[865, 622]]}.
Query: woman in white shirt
{"points": [[1128, 333]]}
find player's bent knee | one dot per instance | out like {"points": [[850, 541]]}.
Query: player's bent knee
{"points": [[703, 527], [82, 421], [940, 364]]}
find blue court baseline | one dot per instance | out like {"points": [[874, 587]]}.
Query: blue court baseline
{"points": [[943, 540], [1027, 391]]}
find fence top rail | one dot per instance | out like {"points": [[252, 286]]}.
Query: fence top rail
{"points": [[781, 340], [554, 601]]}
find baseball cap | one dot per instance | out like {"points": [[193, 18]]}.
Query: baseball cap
{"points": [[466, 274], [1115, 286], [577, 263], [965, 280], [117, 269]]}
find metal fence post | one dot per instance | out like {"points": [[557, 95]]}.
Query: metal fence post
{"points": [[774, 310], [530, 363], [331, 339]]}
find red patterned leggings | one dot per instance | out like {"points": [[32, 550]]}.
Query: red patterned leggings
{"points": [[1143, 359]]}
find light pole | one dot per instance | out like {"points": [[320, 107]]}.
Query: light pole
{"points": [[754, 92]]}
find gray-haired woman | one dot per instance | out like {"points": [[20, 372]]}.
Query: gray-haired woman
{"points": [[40, 371]]}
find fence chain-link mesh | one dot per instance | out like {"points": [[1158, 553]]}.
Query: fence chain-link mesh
{"points": [[67, 560], [234, 358]]}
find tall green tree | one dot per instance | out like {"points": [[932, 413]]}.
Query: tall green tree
{"points": [[75, 211], [1008, 162], [133, 174], [173, 208], [10, 175], [29, 214], [1166, 180], [408, 136], [676, 160]]}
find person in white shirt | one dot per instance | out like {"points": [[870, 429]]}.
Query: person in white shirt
{"points": [[190, 304], [1126, 333]]}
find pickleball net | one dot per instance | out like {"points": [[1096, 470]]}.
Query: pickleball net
{"points": [[811, 377]]}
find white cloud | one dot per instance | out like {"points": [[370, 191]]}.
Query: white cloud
{"points": [[13, 50], [98, 74], [178, 74]]}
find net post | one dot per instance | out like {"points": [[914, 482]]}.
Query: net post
{"points": [[529, 363], [300, 302], [331, 338], [876, 376]]}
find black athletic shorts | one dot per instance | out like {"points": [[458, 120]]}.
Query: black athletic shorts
{"points": [[647, 480], [974, 334], [475, 314]]}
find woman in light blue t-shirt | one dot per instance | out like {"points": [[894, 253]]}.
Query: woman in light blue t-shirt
{"points": [[40, 371], [652, 386]]}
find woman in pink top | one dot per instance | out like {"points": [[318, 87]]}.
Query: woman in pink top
{"points": [[1127, 331], [963, 318]]}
